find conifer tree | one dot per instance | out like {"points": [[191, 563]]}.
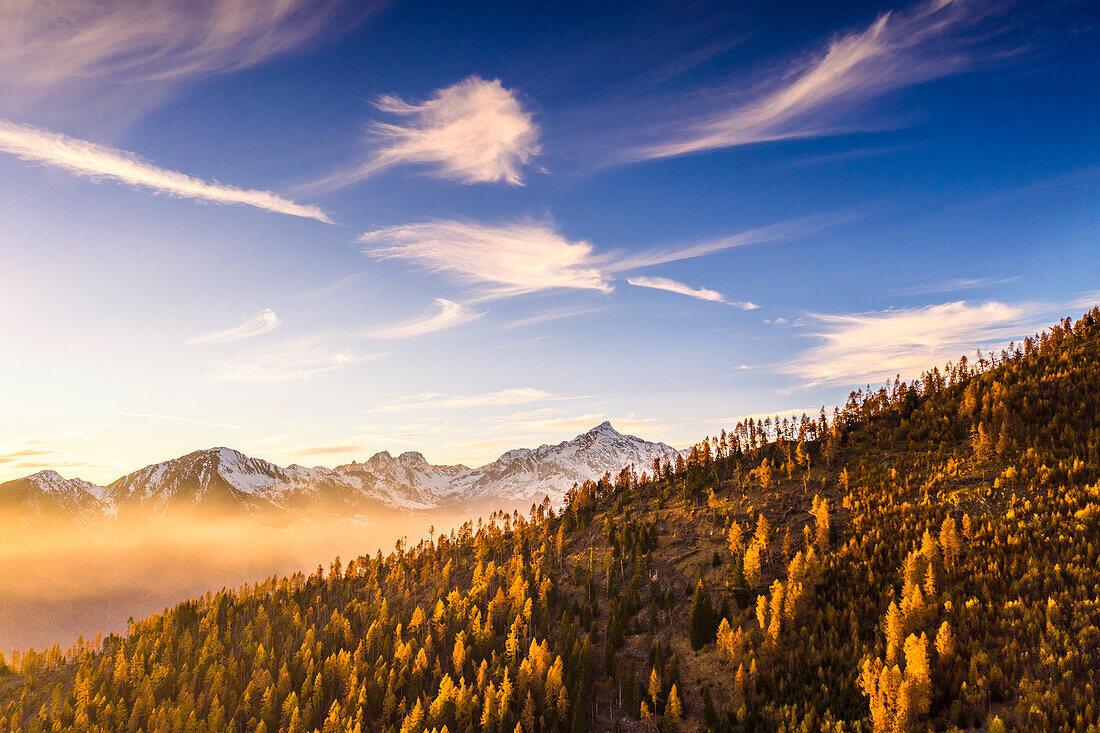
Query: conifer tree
{"points": [[702, 617], [820, 512], [753, 563], [949, 543], [736, 541], [674, 709], [654, 688], [945, 642]]}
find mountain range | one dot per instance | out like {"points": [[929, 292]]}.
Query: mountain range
{"points": [[223, 479]]}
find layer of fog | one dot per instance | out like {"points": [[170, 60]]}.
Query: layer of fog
{"points": [[58, 583]]}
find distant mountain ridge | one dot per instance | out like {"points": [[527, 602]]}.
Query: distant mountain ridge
{"points": [[224, 479], [48, 494]]}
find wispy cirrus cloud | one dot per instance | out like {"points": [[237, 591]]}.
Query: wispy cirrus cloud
{"points": [[263, 322], [95, 54], [512, 258], [291, 360], [553, 314], [877, 345], [954, 285], [674, 286], [815, 96], [171, 418], [501, 259], [23, 455], [99, 162], [450, 315], [437, 401], [475, 131], [781, 231], [28, 454]]}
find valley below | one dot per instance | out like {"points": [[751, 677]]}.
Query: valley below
{"points": [[58, 583], [78, 559]]}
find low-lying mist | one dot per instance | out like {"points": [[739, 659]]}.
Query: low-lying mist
{"points": [[58, 582]]}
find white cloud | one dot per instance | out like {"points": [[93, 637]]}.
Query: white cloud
{"points": [[96, 161], [898, 49], [475, 131], [80, 53], [673, 286], [874, 347], [504, 259], [524, 257], [435, 401], [292, 360], [793, 229], [450, 314], [263, 322]]}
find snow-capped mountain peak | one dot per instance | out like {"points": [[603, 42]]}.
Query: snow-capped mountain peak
{"points": [[222, 477], [604, 428], [48, 493], [53, 482]]}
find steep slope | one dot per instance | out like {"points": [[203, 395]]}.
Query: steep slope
{"points": [[927, 560]]}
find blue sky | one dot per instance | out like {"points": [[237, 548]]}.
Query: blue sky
{"points": [[314, 230]]}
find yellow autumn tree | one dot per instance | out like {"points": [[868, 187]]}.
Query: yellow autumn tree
{"points": [[654, 687], [735, 538], [674, 710], [820, 511], [949, 543], [945, 642]]}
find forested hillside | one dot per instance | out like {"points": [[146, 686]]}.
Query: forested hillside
{"points": [[928, 557]]}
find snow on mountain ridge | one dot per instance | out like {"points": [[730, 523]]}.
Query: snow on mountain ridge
{"points": [[54, 482], [47, 493], [222, 475]]}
